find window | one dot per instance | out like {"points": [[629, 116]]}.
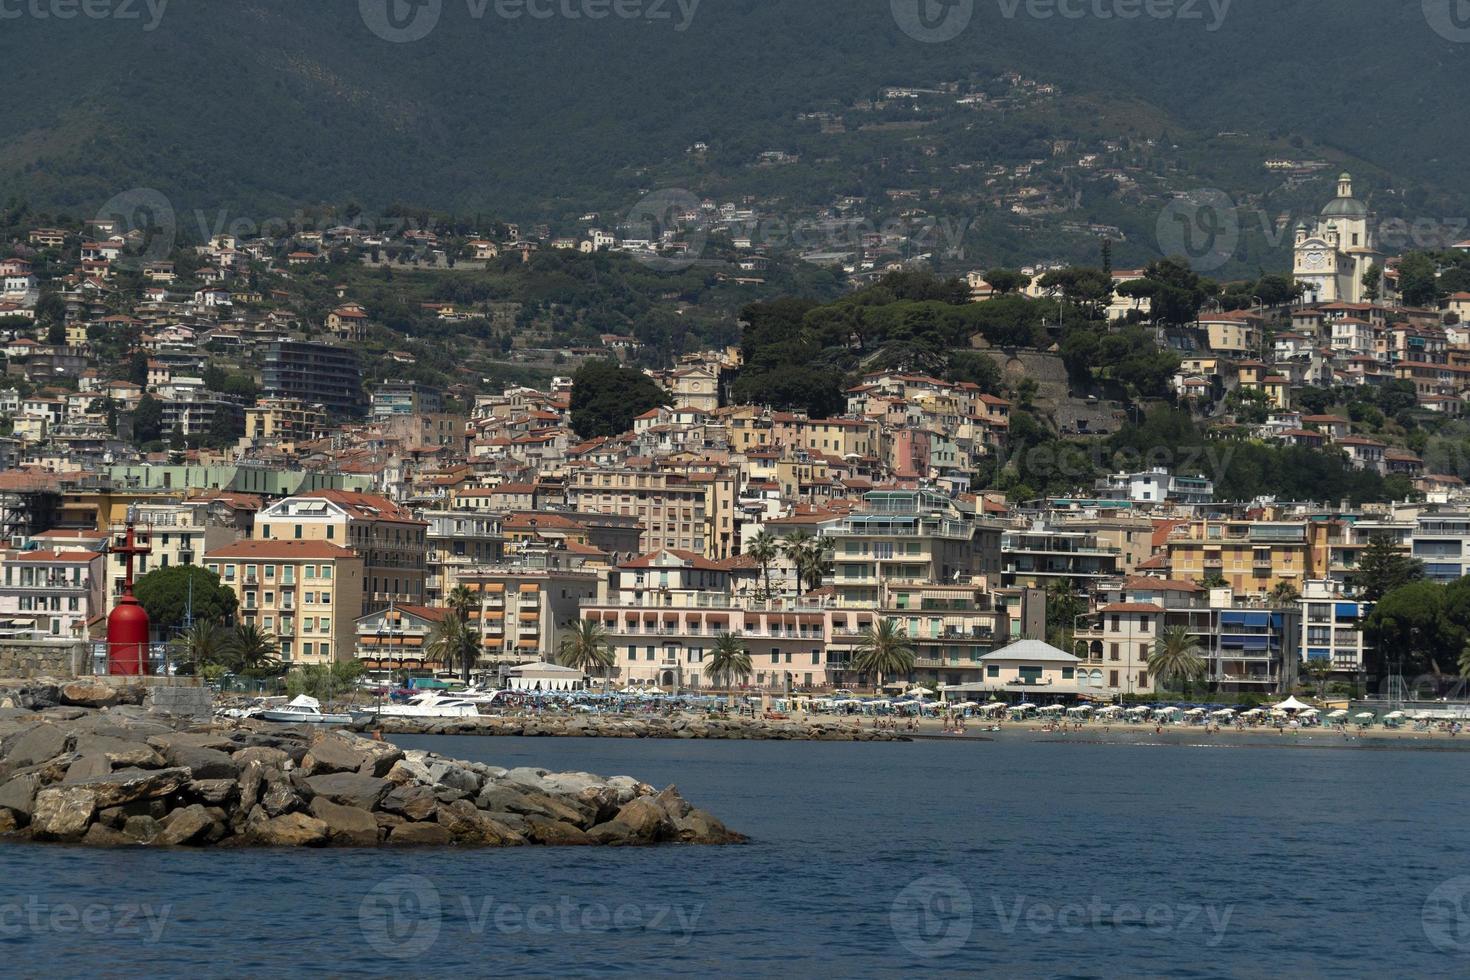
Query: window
{"points": [[1112, 678], [1143, 678], [298, 537], [1067, 673], [327, 572], [326, 598]]}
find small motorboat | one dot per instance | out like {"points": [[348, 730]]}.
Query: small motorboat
{"points": [[303, 711]]}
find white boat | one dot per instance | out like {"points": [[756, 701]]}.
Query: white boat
{"points": [[304, 711], [430, 704]]}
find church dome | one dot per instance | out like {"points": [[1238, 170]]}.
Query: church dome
{"points": [[1345, 207]]}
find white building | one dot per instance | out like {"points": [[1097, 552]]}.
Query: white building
{"points": [[1331, 258]]}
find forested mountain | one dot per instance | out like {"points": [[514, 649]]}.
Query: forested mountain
{"points": [[248, 110]]}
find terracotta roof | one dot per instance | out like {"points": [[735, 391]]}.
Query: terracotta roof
{"points": [[1133, 607]]}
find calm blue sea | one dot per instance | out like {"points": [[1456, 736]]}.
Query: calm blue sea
{"points": [[1026, 858]]}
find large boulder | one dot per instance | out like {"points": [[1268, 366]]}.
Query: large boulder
{"points": [[212, 792], [555, 833], [699, 827], [19, 794], [350, 789], [414, 802], [35, 745], [333, 753], [419, 835], [88, 694], [252, 775], [467, 825], [290, 830], [203, 763], [280, 796], [87, 767], [185, 826], [142, 829], [347, 826], [63, 812], [127, 785], [382, 757], [120, 751], [263, 754], [641, 821]]}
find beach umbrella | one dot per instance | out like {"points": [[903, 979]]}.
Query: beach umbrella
{"points": [[1393, 716], [1308, 712], [1339, 713], [922, 692], [1170, 710], [1365, 716], [1223, 712], [1291, 704]]}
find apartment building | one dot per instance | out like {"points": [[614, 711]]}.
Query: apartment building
{"points": [[908, 536], [56, 593], [316, 374], [523, 609], [398, 638], [179, 534], [672, 509], [1330, 631], [459, 540], [391, 541], [1251, 556], [1043, 555], [284, 420], [307, 593]]}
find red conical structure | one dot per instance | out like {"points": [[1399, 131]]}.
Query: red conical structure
{"points": [[127, 627]]}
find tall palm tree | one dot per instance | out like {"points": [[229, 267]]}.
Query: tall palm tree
{"points": [[729, 660], [1176, 656], [885, 649], [1465, 660], [815, 562], [1284, 595], [252, 650], [455, 643], [201, 645], [795, 549], [764, 549], [585, 648], [462, 601]]}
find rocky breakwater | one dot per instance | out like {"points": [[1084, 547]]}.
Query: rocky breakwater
{"points": [[120, 777], [633, 726]]}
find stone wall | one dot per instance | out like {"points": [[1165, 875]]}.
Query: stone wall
{"points": [[182, 702], [42, 658]]}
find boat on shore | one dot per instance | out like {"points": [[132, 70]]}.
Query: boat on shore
{"points": [[303, 711], [430, 704]]}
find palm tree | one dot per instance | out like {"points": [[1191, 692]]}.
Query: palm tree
{"points": [[764, 549], [455, 642], [816, 562], [1465, 660], [462, 601], [585, 648], [885, 649], [1176, 656], [795, 548], [252, 650], [729, 660], [201, 645], [1284, 595]]}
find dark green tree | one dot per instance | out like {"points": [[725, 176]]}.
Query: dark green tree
{"points": [[607, 397], [1382, 568], [164, 594]]}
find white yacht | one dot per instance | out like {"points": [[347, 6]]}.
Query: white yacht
{"points": [[429, 704], [303, 711]]}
